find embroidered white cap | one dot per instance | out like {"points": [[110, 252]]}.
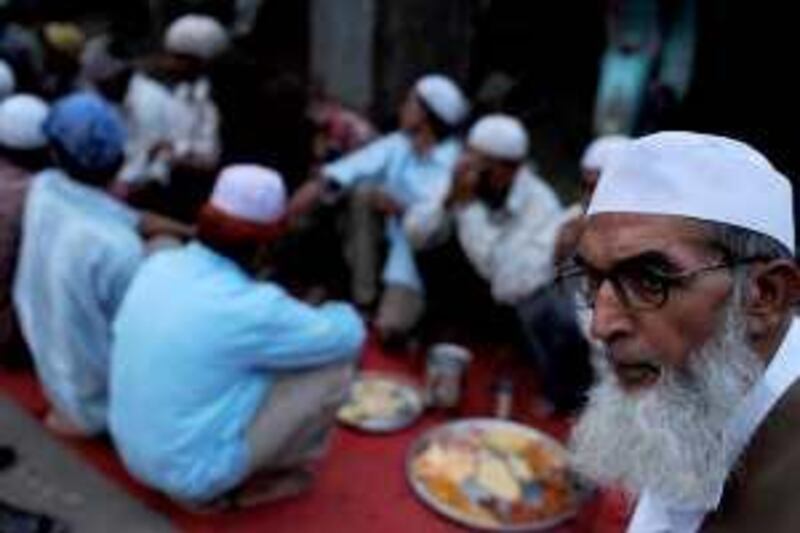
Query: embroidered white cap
{"points": [[250, 192], [602, 150], [443, 97], [500, 136], [21, 119], [196, 35], [705, 177]]}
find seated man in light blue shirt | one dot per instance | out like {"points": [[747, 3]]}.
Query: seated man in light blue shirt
{"points": [[79, 251], [392, 177], [226, 389]]}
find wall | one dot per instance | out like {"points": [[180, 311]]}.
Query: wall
{"points": [[343, 48]]}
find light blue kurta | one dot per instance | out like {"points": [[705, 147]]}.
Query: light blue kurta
{"points": [[409, 178], [79, 252], [198, 344]]}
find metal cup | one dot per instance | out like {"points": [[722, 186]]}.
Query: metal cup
{"points": [[446, 369]]}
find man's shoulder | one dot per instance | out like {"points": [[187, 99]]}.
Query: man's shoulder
{"points": [[532, 191], [144, 88], [765, 484], [775, 443]]}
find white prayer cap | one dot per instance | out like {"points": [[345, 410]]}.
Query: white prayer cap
{"points": [[700, 176], [601, 150], [21, 119], [500, 136], [250, 192], [443, 97], [8, 82], [200, 36]]}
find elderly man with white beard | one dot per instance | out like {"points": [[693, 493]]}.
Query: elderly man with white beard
{"points": [[687, 264]]}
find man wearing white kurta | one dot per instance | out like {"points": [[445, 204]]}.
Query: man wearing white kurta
{"points": [[505, 220], [181, 123], [510, 244]]}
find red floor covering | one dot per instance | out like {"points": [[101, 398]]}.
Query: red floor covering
{"points": [[362, 486]]}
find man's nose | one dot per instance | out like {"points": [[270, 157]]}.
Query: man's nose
{"points": [[611, 317]]}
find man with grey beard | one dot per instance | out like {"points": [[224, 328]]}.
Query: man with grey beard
{"points": [[697, 409]]}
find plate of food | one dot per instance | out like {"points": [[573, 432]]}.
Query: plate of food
{"points": [[494, 475], [380, 402]]}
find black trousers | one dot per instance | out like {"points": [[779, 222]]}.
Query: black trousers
{"points": [[555, 341]]}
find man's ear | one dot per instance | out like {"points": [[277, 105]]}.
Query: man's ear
{"points": [[773, 288]]}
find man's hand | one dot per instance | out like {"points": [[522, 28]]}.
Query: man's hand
{"points": [[161, 150], [305, 198], [465, 182]]}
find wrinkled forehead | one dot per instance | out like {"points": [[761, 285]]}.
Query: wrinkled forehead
{"points": [[609, 238]]}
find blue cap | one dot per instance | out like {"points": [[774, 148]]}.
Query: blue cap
{"points": [[88, 129]]}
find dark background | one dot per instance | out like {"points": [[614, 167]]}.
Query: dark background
{"points": [[744, 84]]}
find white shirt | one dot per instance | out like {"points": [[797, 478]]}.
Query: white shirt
{"points": [[655, 514], [511, 248], [185, 117]]}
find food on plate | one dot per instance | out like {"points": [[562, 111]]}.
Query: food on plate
{"points": [[378, 402], [494, 475]]}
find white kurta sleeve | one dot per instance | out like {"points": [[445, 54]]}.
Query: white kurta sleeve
{"points": [[523, 259], [205, 145], [478, 236], [426, 223]]}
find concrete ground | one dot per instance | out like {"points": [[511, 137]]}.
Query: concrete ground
{"points": [[50, 479]]}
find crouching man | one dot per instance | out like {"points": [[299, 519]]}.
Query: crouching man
{"points": [[224, 388]]}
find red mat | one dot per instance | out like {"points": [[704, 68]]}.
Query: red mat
{"points": [[362, 486]]}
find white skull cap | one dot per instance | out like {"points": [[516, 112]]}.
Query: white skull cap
{"points": [[196, 35], [21, 119], [499, 136], [443, 97], [250, 192], [700, 176]]}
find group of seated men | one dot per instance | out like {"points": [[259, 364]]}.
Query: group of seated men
{"points": [[215, 383], [219, 387]]}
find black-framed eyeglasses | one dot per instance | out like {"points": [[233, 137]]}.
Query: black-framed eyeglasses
{"points": [[639, 284]]}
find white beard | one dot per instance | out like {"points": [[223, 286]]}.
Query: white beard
{"points": [[670, 438]]}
